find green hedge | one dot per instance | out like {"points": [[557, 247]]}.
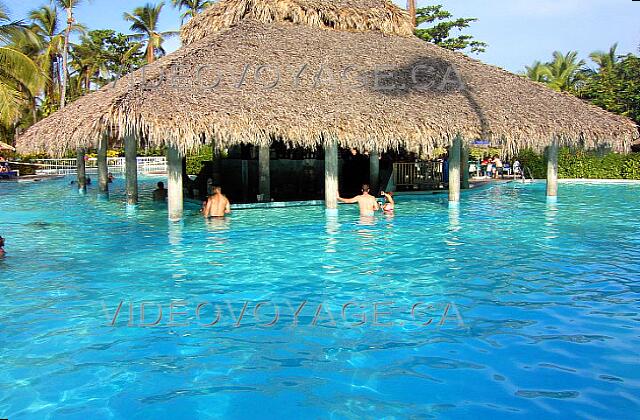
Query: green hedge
{"points": [[195, 162], [584, 164]]}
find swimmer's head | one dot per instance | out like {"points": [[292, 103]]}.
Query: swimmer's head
{"points": [[365, 188], [161, 185], [217, 189]]}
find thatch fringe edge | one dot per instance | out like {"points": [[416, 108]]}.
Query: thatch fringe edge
{"points": [[230, 131]]}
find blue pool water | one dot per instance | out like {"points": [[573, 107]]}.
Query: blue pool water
{"points": [[533, 308]]}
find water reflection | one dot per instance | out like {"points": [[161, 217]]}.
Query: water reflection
{"points": [[177, 250], [365, 232], [332, 228], [551, 220], [131, 209], [454, 219], [217, 224], [218, 239]]}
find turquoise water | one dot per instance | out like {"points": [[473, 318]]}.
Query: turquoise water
{"points": [[533, 308]]}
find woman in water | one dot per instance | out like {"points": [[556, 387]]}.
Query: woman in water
{"points": [[389, 204]]}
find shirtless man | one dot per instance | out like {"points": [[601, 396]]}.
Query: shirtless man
{"points": [[368, 203], [217, 204], [160, 193]]}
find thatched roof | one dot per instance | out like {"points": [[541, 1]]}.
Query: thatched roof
{"points": [[348, 15], [341, 66]]}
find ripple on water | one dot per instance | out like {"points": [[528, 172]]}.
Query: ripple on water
{"points": [[541, 320]]}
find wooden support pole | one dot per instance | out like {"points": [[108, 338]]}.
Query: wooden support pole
{"points": [[175, 195], [331, 175], [131, 163], [103, 169], [81, 169], [244, 176], [216, 170], [464, 166], [454, 172], [264, 155], [374, 172], [552, 170]]}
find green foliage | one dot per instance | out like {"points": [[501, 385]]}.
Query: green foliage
{"points": [[103, 55], [192, 7], [616, 87], [538, 72], [28, 158], [478, 153], [584, 164], [533, 163], [441, 26], [111, 153], [144, 23], [564, 73], [195, 163], [20, 77]]}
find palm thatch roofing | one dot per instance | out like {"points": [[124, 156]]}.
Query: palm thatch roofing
{"points": [[310, 71]]}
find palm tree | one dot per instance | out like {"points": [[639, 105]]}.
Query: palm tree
{"points": [[538, 72], [144, 22], [68, 5], [20, 77], [565, 71], [605, 60], [192, 7], [46, 26], [89, 61]]}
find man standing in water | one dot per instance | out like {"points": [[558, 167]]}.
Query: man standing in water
{"points": [[368, 203], [160, 193], [217, 204]]}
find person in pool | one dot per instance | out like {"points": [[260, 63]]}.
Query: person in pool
{"points": [[2, 253], [218, 204], [368, 203], [389, 205], [160, 193]]}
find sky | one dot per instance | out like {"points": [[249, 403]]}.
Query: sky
{"points": [[518, 31]]}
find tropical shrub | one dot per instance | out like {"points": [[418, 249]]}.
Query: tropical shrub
{"points": [[534, 163], [584, 164]]}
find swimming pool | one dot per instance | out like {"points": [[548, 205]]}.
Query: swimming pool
{"points": [[530, 309]]}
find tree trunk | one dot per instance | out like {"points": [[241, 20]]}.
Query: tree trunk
{"points": [[87, 82], [34, 109], [411, 8], [150, 53], [51, 88], [65, 57]]}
